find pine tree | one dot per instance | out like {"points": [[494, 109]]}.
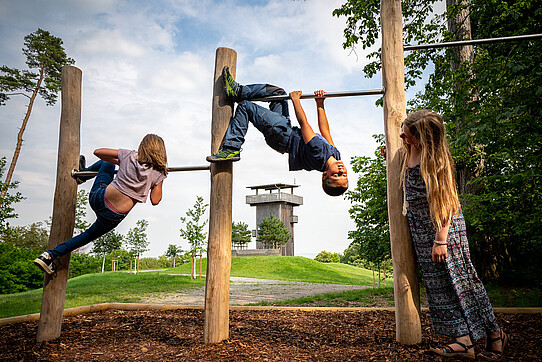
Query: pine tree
{"points": [[43, 52], [272, 232]]}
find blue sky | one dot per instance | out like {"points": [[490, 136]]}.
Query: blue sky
{"points": [[148, 67]]}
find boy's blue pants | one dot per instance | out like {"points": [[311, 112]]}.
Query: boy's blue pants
{"points": [[273, 123]]}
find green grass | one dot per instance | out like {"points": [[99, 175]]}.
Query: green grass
{"points": [[383, 297], [99, 288], [291, 268], [370, 297], [514, 297], [123, 287]]}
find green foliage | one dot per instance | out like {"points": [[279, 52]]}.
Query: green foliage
{"points": [[45, 53], [240, 234], [172, 252], [194, 226], [369, 208], [136, 239], [153, 263], [7, 210], [327, 257], [272, 232], [492, 107], [17, 270], [419, 26], [494, 124], [81, 211], [34, 236], [81, 264], [108, 243]]}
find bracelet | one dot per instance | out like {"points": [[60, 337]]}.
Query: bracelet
{"points": [[440, 242]]}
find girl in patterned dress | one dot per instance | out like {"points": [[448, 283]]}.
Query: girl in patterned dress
{"points": [[458, 303]]}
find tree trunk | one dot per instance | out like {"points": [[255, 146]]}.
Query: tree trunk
{"points": [[460, 26], [9, 174], [103, 264]]}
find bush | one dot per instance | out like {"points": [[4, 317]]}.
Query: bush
{"points": [[17, 270], [327, 257], [84, 264]]}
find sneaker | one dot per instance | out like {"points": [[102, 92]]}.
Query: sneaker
{"points": [[82, 166], [232, 89], [225, 154], [45, 263]]}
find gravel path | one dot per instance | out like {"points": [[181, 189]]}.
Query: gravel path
{"points": [[248, 290]]}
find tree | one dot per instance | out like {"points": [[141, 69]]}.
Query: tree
{"points": [[194, 226], [6, 205], [81, 211], [369, 208], [272, 232], [492, 107], [107, 244], [136, 239], [327, 257], [34, 236], [172, 252], [240, 235], [45, 53]]}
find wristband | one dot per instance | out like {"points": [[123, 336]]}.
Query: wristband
{"points": [[440, 242]]}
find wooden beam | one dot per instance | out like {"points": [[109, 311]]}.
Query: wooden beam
{"points": [[54, 288], [217, 286], [405, 278]]}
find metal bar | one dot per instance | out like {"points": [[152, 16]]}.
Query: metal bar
{"points": [[327, 95], [170, 169], [472, 42]]}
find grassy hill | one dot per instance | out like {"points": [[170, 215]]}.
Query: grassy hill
{"points": [[290, 268], [124, 287]]}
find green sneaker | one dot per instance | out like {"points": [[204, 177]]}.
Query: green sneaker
{"points": [[225, 154], [231, 87]]}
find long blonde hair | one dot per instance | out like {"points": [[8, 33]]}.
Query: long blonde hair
{"points": [[152, 150], [437, 166]]}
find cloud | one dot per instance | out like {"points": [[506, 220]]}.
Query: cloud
{"points": [[148, 68]]}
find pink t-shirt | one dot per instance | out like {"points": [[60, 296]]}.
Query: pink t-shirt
{"points": [[135, 179]]}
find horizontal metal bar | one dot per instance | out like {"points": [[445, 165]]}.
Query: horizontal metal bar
{"points": [[170, 169], [327, 95], [472, 42]]}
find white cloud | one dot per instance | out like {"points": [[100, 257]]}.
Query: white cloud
{"points": [[148, 68]]}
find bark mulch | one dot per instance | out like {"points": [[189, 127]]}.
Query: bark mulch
{"points": [[263, 335]]}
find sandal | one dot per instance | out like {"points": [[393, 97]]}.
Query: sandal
{"points": [[491, 354], [448, 351]]}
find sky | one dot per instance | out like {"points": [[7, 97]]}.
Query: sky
{"points": [[148, 66]]}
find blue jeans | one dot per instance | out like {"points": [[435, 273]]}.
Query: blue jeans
{"points": [[106, 220], [273, 123]]}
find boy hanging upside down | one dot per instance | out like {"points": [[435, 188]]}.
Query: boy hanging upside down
{"points": [[306, 150]]}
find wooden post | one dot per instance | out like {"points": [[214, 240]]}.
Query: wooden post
{"points": [[192, 266], [200, 263], [406, 288], [217, 285], [54, 288]]}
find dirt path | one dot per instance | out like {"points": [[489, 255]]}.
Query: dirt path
{"points": [[248, 290]]}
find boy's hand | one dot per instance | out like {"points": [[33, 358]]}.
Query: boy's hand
{"points": [[320, 96], [295, 95]]}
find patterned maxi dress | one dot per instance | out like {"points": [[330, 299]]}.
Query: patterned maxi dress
{"points": [[458, 302]]}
